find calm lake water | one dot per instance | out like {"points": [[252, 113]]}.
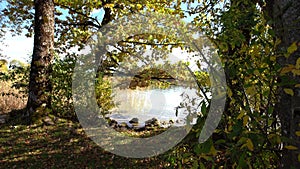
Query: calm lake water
{"points": [[145, 104]]}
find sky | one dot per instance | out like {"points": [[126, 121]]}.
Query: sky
{"points": [[21, 47], [17, 47]]}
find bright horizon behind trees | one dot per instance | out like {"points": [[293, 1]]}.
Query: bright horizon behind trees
{"points": [[19, 47]]}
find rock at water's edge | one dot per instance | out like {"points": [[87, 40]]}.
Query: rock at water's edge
{"points": [[152, 123], [134, 120]]}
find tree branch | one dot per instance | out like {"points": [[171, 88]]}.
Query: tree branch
{"points": [[91, 23], [148, 43]]}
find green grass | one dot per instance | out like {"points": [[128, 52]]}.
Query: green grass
{"points": [[63, 145]]}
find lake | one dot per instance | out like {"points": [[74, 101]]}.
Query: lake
{"points": [[145, 104]]}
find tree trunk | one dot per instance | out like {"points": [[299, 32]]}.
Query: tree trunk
{"points": [[39, 102], [285, 15]]}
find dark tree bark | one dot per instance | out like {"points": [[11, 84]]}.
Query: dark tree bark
{"points": [[39, 102], [285, 15]]}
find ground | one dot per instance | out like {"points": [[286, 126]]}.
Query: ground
{"points": [[63, 145]]}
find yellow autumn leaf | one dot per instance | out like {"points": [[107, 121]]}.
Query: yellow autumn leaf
{"points": [[229, 92], [273, 58], [277, 42], [275, 138], [139, 6], [256, 72], [242, 113], [287, 69], [296, 72], [289, 91], [251, 90], [291, 49], [286, 55], [249, 145], [213, 150], [299, 157], [297, 64], [291, 147], [245, 120], [297, 133], [109, 5], [297, 85]]}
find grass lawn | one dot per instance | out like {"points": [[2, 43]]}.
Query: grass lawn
{"points": [[63, 145]]}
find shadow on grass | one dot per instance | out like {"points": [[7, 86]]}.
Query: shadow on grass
{"points": [[63, 145]]}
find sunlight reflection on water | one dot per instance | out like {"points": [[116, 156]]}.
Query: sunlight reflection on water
{"points": [[148, 103]]}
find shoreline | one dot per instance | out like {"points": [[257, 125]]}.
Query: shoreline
{"points": [[135, 125]]}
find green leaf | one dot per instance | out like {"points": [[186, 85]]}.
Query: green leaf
{"points": [[242, 161], [220, 141], [202, 166], [203, 108], [195, 164]]}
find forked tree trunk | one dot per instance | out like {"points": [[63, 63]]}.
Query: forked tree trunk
{"points": [[39, 103], [285, 15]]}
